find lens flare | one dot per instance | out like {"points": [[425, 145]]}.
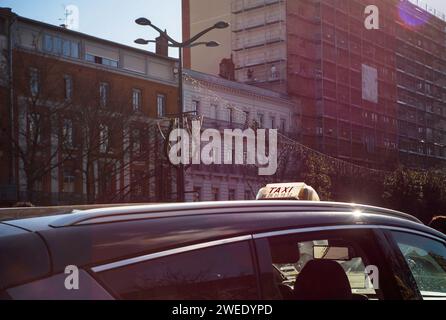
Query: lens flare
{"points": [[411, 15]]}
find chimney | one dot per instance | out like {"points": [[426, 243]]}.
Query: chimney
{"points": [[7, 17], [227, 69], [5, 11], [162, 46]]}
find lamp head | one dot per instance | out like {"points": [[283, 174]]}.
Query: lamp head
{"points": [[143, 22], [221, 25], [141, 41], [212, 44]]}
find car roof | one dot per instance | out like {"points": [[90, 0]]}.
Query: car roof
{"points": [[118, 213]]}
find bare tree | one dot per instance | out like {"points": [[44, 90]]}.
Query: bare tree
{"points": [[37, 139], [94, 135], [122, 157]]}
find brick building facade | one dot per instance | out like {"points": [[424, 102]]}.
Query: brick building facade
{"points": [[82, 124]]}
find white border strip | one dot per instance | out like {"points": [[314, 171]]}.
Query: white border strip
{"points": [[162, 254]]}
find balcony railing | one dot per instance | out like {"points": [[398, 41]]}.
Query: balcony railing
{"points": [[247, 41]]}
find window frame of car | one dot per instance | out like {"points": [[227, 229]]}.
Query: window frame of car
{"points": [[388, 289], [403, 263], [181, 250]]}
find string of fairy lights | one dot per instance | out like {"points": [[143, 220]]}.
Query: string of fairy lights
{"points": [[287, 146]]}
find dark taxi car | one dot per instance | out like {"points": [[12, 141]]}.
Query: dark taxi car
{"points": [[250, 250]]}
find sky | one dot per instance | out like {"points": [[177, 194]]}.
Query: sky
{"points": [[109, 19], [114, 19]]}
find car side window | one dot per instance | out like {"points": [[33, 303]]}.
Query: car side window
{"points": [[222, 272], [426, 259], [320, 266]]}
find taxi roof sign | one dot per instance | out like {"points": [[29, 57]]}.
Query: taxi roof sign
{"points": [[288, 191]]}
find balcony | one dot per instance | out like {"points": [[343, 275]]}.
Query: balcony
{"points": [[259, 18], [263, 37], [262, 73], [254, 57], [245, 5]]}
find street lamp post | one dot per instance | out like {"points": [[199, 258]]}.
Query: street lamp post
{"points": [[192, 42]]}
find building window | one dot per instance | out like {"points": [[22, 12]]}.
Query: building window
{"points": [[68, 87], [104, 93], [101, 60], [213, 111], [195, 106], [161, 105], [261, 120], [110, 62], [230, 115], [47, 43], [75, 49], [34, 128], [273, 123], [136, 99], [247, 117], [283, 125], [67, 133], [250, 74], [197, 194], [136, 141], [90, 57], [66, 50], [59, 46], [215, 194], [68, 181], [274, 73], [231, 195], [104, 138], [34, 82]]}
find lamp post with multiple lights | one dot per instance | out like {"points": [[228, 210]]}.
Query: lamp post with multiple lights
{"points": [[192, 42]]}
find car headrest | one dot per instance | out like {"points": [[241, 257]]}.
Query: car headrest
{"points": [[322, 280], [285, 252]]}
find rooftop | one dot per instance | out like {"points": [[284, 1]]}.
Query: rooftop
{"points": [[235, 85], [85, 36], [423, 5]]}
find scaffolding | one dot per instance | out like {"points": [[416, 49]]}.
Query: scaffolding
{"points": [[259, 42]]}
